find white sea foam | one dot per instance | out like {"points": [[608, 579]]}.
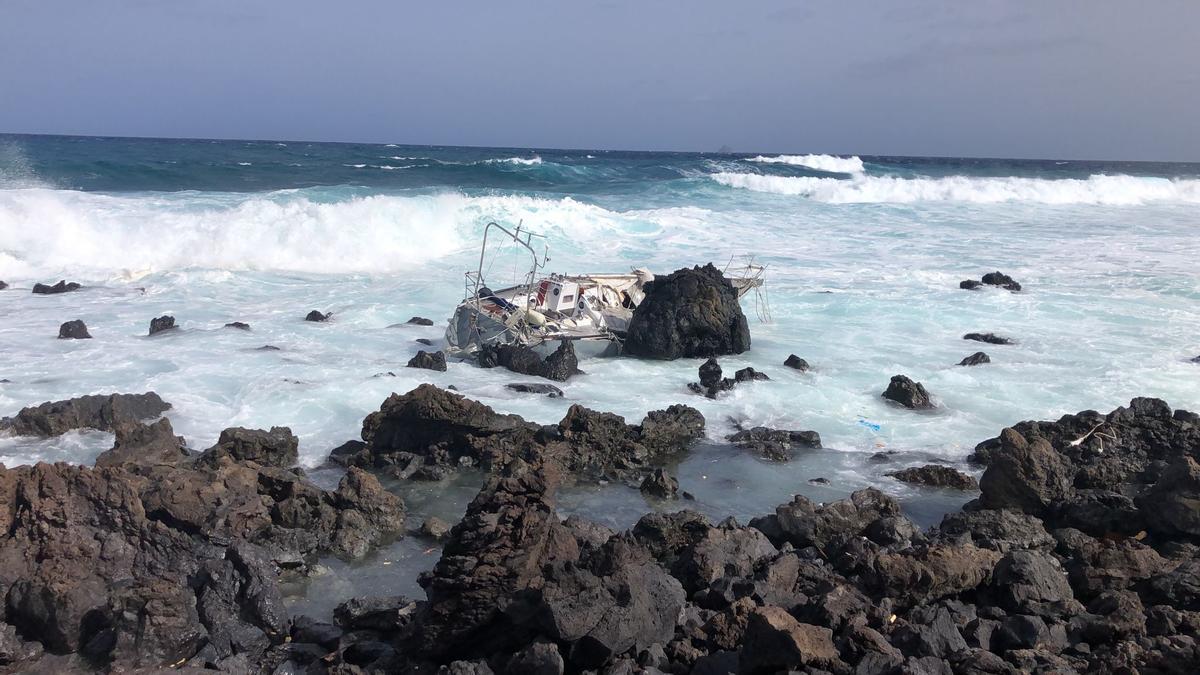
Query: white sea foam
{"points": [[828, 163], [1117, 190], [523, 161]]}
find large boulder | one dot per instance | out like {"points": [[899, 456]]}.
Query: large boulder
{"points": [[689, 313], [935, 475], [429, 361], [278, 447], [906, 392], [144, 444], [775, 444], [1025, 475], [775, 641], [62, 286], [101, 412], [161, 324], [560, 365], [73, 330]]}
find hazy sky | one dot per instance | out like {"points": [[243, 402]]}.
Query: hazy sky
{"points": [[1047, 78]]}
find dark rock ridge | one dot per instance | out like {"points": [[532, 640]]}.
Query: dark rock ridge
{"points": [[847, 587], [101, 412], [156, 558], [61, 287], [660, 484], [560, 365], [990, 338], [793, 361], [535, 388], [712, 384], [240, 325], [420, 321], [976, 359], [428, 361], [689, 313], [991, 279], [775, 444], [424, 341], [317, 316], [74, 330], [162, 323], [911, 395], [936, 475], [431, 431]]}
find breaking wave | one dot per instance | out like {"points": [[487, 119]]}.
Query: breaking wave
{"points": [[522, 161], [827, 163], [1118, 190], [99, 236]]}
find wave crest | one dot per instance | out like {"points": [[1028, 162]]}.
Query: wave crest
{"points": [[1100, 189], [827, 163]]}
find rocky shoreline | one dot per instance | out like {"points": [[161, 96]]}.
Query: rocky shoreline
{"points": [[1082, 554]]}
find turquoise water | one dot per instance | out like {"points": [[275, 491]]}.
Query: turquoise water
{"points": [[864, 257]]}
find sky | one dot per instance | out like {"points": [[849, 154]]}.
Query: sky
{"points": [[1081, 79]]}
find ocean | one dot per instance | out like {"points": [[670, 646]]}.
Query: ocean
{"points": [[863, 254]]}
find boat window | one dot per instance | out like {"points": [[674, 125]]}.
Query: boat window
{"points": [[568, 298]]}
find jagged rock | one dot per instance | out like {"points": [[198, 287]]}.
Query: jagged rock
{"points": [[387, 614], [434, 528], [1172, 505], [930, 573], [98, 411], [775, 444], [1025, 475], [61, 287], [1000, 279], [161, 324], [238, 325], [776, 641], [793, 361], [998, 530], [1024, 580], [970, 285], [660, 484], [539, 658], [277, 447], [935, 475], [976, 359], [267, 348], [424, 341], [990, 338], [138, 443], [827, 527], [429, 361], [688, 314], [317, 316], [73, 330], [711, 382], [419, 321], [911, 395], [535, 388], [560, 365]]}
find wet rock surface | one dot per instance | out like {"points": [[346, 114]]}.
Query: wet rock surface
{"points": [[560, 365], [989, 338], [775, 444], [428, 361], [992, 279], [74, 330], [906, 392], [62, 286], [419, 321], [936, 475], [535, 388], [976, 359], [793, 361], [100, 412], [689, 313], [160, 324], [318, 316], [712, 384], [239, 325]]}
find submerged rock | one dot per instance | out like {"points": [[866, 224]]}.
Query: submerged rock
{"points": [[688, 314], [74, 330], [420, 321], [317, 316], [796, 362], [98, 411], [61, 287], [976, 359], [935, 475], [1001, 279], [910, 394], [560, 365], [775, 444], [3, 285], [162, 323], [238, 325], [990, 338], [711, 383], [535, 388], [970, 285], [429, 361], [424, 341]]}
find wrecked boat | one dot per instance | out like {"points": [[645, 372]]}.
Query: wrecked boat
{"points": [[545, 308]]}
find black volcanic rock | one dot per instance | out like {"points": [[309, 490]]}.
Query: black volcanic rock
{"points": [[162, 323], [428, 361], [535, 388], [60, 287], [73, 330], [935, 475], [775, 444], [796, 362], [970, 285], [317, 316], [910, 394], [688, 314], [560, 365], [3, 285], [660, 484], [101, 412], [990, 338], [238, 325], [978, 358], [711, 383], [420, 321]]}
